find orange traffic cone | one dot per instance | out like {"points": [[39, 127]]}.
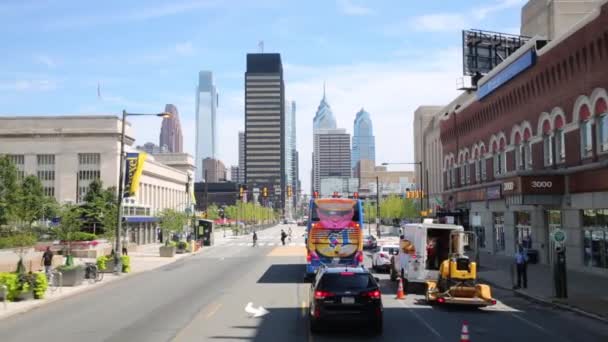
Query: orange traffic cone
{"points": [[400, 292], [464, 333]]}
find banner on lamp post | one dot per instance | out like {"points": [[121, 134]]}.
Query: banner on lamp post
{"points": [[134, 167]]}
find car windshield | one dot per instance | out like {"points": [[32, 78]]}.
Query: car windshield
{"points": [[346, 281]]}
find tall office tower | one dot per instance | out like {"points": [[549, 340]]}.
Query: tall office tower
{"points": [[265, 126], [215, 170], [331, 155], [364, 143], [290, 152], [236, 174], [171, 131], [206, 134], [324, 119], [242, 155]]}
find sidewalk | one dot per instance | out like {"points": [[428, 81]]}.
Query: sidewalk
{"points": [[587, 293], [146, 258]]}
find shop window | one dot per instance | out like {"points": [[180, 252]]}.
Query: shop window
{"points": [[499, 231], [523, 229], [595, 238], [587, 138], [548, 149], [481, 236], [499, 163], [560, 146], [603, 132]]}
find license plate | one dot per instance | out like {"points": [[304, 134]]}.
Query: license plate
{"points": [[348, 300]]}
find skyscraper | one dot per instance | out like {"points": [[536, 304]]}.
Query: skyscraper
{"points": [[206, 134], [290, 152], [265, 125], [242, 153], [331, 155], [171, 131], [324, 118], [364, 143]]}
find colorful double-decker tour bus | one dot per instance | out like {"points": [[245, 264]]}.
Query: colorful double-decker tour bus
{"points": [[334, 233]]}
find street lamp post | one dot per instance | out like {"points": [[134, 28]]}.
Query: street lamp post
{"points": [[419, 163], [121, 170]]}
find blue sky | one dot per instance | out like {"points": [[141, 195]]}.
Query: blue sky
{"points": [[386, 56]]}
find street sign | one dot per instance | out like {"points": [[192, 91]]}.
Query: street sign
{"points": [[558, 236]]}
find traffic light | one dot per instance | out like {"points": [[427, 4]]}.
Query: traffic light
{"points": [[265, 192], [289, 193], [241, 192], [356, 195], [315, 194]]}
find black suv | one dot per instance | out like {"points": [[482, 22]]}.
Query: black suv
{"points": [[348, 294]]}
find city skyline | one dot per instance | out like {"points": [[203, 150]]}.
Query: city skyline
{"points": [[114, 71], [364, 143]]}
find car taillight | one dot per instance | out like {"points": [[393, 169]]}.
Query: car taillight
{"points": [[360, 257], [382, 255], [322, 294], [373, 294], [347, 273], [440, 300]]}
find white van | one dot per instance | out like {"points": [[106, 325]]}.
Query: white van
{"points": [[422, 248]]}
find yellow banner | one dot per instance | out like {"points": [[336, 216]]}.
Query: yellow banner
{"points": [[134, 169]]}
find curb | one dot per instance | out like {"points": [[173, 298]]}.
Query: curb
{"points": [[46, 301], [548, 302]]}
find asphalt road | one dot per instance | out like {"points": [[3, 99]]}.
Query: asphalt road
{"points": [[203, 298]]}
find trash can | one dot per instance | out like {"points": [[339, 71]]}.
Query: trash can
{"points": [[532, 256]]}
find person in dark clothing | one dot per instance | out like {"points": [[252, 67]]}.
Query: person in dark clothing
{"points": [[47, 261], [255, 238], [125, 251], [521, 262], [283, 236]]}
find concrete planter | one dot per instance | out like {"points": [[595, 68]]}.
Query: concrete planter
{"points": [[73, 276], [167, 251], [25, 295]]}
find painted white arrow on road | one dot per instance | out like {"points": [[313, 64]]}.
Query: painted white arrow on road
{"points": [[259, 312]]}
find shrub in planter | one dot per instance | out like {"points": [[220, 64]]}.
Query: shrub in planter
{"points": [[40, 285], [167, 251], [72, 275], [17, 240], [182, 247], [83, 236], [11, 281], [26, 283], [126, 263], [102, 262]]}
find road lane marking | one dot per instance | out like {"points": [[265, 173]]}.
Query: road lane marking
{"points": [[213, 310], [287, 251], [262, 244], [534, 325], [425, 323], [303, 307]]}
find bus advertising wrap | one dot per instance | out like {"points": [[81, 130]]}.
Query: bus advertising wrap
{"points": [[134, 167]]}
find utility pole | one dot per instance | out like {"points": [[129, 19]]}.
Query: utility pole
{"points": [[378, 205], [206, 193]]}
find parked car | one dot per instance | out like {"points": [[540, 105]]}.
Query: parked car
{"points": [[348, 294], [369, 242], [381, 260]]}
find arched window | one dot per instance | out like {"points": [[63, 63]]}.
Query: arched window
{"points": [[586, 125], [548, 143], [560, 140], [601, 111], [452, 172], [500, 163], [482, 162], [523, 152]]}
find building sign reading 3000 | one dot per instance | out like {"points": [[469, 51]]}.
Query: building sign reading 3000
{"points": [[541, 184]]}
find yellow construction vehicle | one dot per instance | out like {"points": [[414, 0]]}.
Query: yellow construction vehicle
{"points": [[457, 281]]}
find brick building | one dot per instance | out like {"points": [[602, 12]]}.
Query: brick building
{"points": [[529, 154]]}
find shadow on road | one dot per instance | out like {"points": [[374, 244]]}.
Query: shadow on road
{"points": [[283, 274]]}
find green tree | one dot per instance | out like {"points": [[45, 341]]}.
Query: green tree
{"points": [[369, 211], [70, 223], [172, 221], [231, 212], [31, 201], [8, 189], [213, 212]]}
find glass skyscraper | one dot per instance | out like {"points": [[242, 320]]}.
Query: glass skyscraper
{"points": [[206, 133], [364, 143]]}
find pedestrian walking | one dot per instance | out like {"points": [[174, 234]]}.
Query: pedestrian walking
{"points": [[255, 238], [283, 236], [521, 263], [47, 261]]}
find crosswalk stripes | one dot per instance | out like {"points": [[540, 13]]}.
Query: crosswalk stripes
{"points": [[264, 244]]}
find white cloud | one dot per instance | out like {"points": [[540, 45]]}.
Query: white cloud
{"points": [[46, 60], [483, 12], [390, 92], [23, 85], [349, 7], [439, 22], [452, 22], [184, 49]]}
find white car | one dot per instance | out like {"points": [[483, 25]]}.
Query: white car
{"points": [[381, 260]]}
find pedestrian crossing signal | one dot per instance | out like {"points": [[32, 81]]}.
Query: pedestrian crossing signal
{"points": [[265, 192], [315, 194]]}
